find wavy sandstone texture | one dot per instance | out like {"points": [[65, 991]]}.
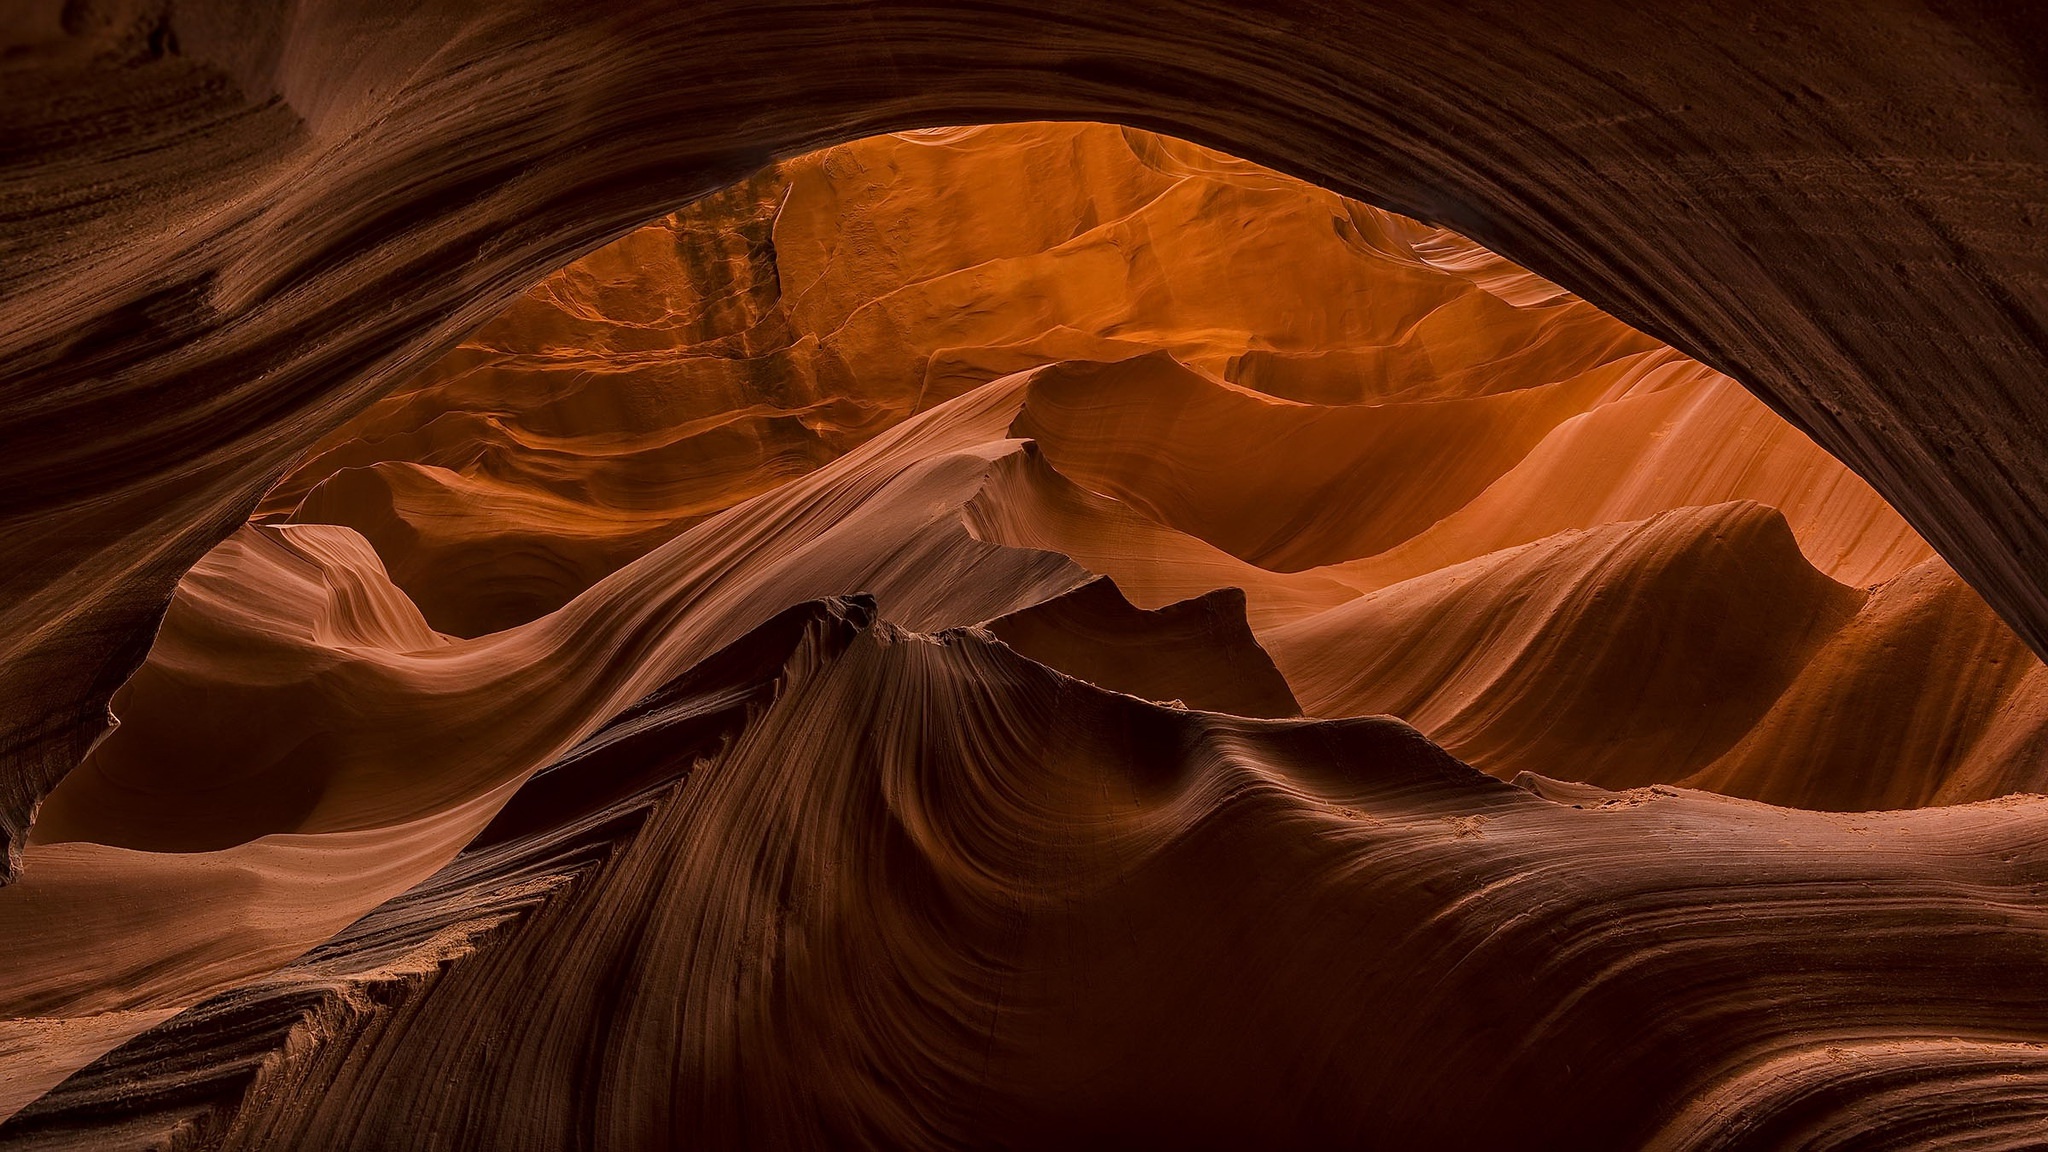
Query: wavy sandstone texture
{"points": [[229, 227], [1028, 636]]}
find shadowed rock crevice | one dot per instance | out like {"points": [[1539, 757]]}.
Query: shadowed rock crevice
{"points": [[1018, 635]]}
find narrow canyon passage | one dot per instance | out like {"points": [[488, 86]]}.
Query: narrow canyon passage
{"points": [[1049, 635]]}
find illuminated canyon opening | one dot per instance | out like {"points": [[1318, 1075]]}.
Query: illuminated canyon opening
{"points": [[868, 658]]}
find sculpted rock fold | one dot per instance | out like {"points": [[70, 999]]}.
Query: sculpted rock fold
{"points": [[828, 671], [233, 228]]}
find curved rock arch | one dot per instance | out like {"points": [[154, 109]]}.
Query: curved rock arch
{"points": [[229, 230]]}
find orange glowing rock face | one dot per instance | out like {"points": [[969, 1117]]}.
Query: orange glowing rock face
{"points": [[1428, 440], [970, 547]]}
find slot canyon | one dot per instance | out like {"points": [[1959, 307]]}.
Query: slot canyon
{"points": [[1365, 575]]}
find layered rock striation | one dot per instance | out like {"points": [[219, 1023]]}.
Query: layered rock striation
{"points": [[228, 229], [1049, 635]]}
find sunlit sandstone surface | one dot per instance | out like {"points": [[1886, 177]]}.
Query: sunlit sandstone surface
{"points": [[1046, 634]]}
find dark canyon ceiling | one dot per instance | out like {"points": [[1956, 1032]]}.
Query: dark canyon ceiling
{"points": [[1334, 575]]}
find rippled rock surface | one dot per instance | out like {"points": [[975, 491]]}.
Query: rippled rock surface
{"points": [[1048, 635]]}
